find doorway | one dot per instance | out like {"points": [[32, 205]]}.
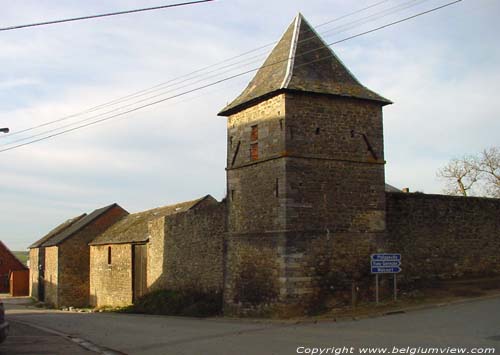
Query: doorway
{"points": [[139, 270]]}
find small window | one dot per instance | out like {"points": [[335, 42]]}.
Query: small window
{"points": [[255, 133], [254, 151], [232, 194], [109, 255], [317, 130]]}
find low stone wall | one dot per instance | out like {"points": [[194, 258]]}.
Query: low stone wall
{"points": [[192, 250], [444, 237]]}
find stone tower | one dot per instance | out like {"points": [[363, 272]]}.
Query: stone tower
{"points": [[305, 178]]}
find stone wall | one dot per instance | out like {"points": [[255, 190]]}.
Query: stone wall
{"points": [[34, 272], [192, 250], [51, 279], [444, 237], [253, 271], [74, 260], [314, 198], [253, 182], [333, 181], [111, 284]]}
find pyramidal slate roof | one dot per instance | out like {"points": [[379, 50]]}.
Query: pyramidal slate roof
{"points": [[56, 230], [77, 226], [134, 227], [301, 61]]}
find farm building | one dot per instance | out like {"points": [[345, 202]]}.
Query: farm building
{"points": [[60, 260], [147, 250], [8, 264]]}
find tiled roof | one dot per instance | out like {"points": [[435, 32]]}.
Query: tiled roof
{"points": [[302, 61], [75, 227], [134, 227], [56, 231]]}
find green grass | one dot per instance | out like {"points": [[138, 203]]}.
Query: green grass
{"points": [[22, 256]]}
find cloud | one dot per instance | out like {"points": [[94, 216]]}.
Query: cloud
{"points": [[440, 76]]}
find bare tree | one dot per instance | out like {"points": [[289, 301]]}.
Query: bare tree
{"points": [[481, 172], [460, 175], [488, 166]]}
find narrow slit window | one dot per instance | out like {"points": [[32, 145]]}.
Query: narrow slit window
{"points": [[109, 255], [255, 133], [317, 130], [254, 151], [277, 187], [281, 124]]}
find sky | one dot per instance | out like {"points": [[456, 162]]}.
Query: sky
{"points": [[441, 71]]}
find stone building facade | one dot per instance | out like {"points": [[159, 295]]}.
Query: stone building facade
{"points": [[60, 268]]}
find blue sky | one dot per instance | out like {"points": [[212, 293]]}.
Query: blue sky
{"points": [[441, 70]]}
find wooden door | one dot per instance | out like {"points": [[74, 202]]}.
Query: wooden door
{"points": [[139, 271]]}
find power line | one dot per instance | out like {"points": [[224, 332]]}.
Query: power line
{"points": [[103, 15], [172, 81], [373, 17], [229, 78], [165, 92]]}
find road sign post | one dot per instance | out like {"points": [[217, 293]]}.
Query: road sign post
{"points": [[385, 263]]}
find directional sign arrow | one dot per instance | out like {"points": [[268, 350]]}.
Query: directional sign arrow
{"points": [[386, 270], [386, 257], [386, 263]]}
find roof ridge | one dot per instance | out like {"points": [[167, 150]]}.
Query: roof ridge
{"points": [[78, 225], [293, 50], [54, 231]]}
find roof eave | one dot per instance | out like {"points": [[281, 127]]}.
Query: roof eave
{"points": [[231, 110]]}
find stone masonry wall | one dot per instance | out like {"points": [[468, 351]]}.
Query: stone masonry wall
{"points": [[111, 284], [256, 182], [311, 208], [51, 279], [333, 180], [192, 250], [444, 237], [252, 273], [156, 254], [34, 273]]}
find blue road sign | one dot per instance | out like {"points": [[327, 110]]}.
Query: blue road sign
{"points": [[386, 257], [386, 270], [386, 263]]}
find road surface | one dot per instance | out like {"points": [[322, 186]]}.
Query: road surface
{"points": [[27, 340], [471, 325]]}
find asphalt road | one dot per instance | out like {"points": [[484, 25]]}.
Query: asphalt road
{"points": [[470, 325], [27, 340]]}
